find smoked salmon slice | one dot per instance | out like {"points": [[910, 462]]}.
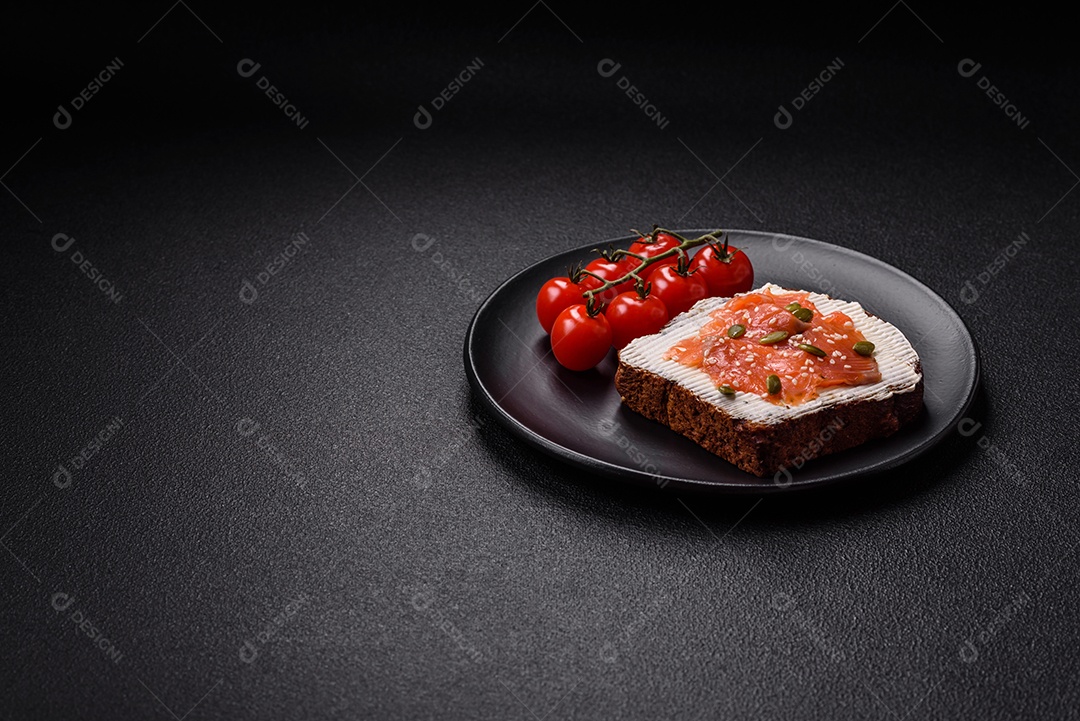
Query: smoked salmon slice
{"points": [[782, 335]]}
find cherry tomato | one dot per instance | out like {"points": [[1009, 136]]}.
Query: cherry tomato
{"points": [[726, 274], [631, 316], [611, 270], [679, 292], [558, 294], [647, 249], [578, 340], [663, 241]]}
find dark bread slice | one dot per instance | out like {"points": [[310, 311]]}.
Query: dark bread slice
{"points": [[764, 448], [754, 435]]}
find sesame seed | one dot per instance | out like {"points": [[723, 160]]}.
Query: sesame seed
{"points": [[847, 367]]}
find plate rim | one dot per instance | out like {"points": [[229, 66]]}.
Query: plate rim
{"points": [[658, 480]]}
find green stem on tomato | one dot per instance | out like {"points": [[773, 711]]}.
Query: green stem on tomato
{"points": [[684, 245]]}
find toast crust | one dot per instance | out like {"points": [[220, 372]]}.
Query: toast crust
{"points": [[759, 448]]}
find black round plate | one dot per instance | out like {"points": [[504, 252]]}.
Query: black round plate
{"points": [[579, 418]]}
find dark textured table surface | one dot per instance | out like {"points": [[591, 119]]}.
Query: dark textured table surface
{"points": [[235, 493]]}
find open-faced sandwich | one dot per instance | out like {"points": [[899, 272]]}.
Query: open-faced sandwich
{"points": [[772, 378]]}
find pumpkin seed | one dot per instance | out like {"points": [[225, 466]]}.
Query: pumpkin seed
{"points": [[774, 337]]}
